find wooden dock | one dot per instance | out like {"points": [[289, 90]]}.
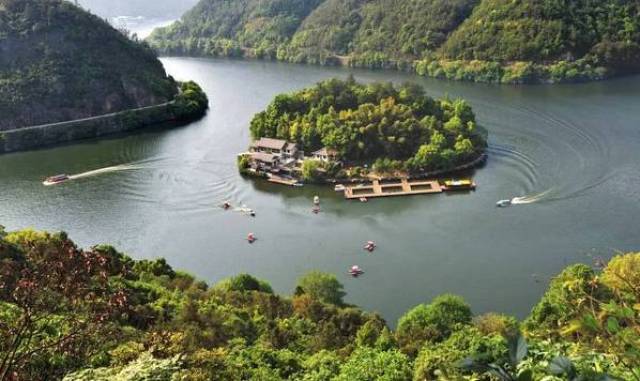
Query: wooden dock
{"points": [[403, 188], [282, 181]]}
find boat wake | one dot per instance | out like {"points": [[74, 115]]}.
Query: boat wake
{"points": [[524, 200], [96, 172]]}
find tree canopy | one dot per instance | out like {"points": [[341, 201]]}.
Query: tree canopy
{"points": [[377, 122], [61, 63], [478, 40], [95, 314]]}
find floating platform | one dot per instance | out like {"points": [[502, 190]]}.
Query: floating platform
{"points": [[402, 188]]}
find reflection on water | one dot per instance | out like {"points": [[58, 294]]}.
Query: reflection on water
{"points": [[568, 153]]}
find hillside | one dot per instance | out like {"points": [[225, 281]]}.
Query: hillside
{"points": [[482, 40], [58, 62], [96, 314]]}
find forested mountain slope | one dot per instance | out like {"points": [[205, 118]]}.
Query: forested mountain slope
{"points": [[484, 40], [97, 315], [58, 62]]}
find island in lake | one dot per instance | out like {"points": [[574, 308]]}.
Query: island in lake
{"points": [[342, 131]]}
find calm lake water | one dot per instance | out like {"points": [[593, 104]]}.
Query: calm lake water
{"points": [[571, 151]]}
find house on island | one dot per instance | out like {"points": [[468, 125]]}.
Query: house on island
{"points": [[265, 161], [325, 154], [273, 155], [282, 148]]}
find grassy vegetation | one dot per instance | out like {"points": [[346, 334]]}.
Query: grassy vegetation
{"points": [[506, 41], [96, 314]]}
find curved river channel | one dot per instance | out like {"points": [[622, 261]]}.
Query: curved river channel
{"points": [[570, 153]]}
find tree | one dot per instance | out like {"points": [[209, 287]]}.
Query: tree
{"points": [[321, 286], [310, 169], [244, 282], [56, 299], [433, 322], [366, 364]]}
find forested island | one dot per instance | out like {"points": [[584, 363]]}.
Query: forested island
{"points": [[346, 129], [505, 41], [59, 63], [96, 314]]}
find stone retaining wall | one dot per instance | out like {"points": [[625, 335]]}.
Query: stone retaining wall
{"points": [[49, 134]]}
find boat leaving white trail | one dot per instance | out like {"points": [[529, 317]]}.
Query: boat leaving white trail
{"points": [[530, 199], [96, 172]]}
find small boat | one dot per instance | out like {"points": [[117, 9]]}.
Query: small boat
{"points": [[454, 185], [297, 185], [363, 199], [246, 210], [251, 238], [355, 271], [316, 200], [339, 188], [57, 179], [370, 246], [226, 205], [503, 203]]}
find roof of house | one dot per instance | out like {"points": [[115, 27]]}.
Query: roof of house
{"points": [[324, 151], [264, 157], [270, 143]]}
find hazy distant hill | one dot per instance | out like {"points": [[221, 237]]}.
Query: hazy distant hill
{"points": [[171, 9], [482, 40], [58, 62]]}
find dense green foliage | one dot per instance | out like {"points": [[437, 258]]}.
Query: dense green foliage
{"points": [[510, 41], [397, 128], [60, 63], [98, 315], [191, 103]]}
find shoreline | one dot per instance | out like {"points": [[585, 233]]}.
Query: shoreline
{"points": [[473, 164], [52, 134], [447, 70]]}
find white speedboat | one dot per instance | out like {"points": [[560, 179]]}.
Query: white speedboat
{"points": [[339, 188], [503, 203]]}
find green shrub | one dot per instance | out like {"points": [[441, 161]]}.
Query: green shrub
{"points": [[432, 323], [321, 286]]}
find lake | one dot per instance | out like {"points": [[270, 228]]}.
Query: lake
{"points": [[571, 152]]}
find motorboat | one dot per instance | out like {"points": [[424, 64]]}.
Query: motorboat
{"points": [[57, 179], [251, 238], [355, 271], [339, 188], [316, 200], [503, 203], [226, 205], [363, 199]]}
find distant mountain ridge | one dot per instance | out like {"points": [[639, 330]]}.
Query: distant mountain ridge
{"points": [[59, 63], [170, 9], [513, 41]]}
